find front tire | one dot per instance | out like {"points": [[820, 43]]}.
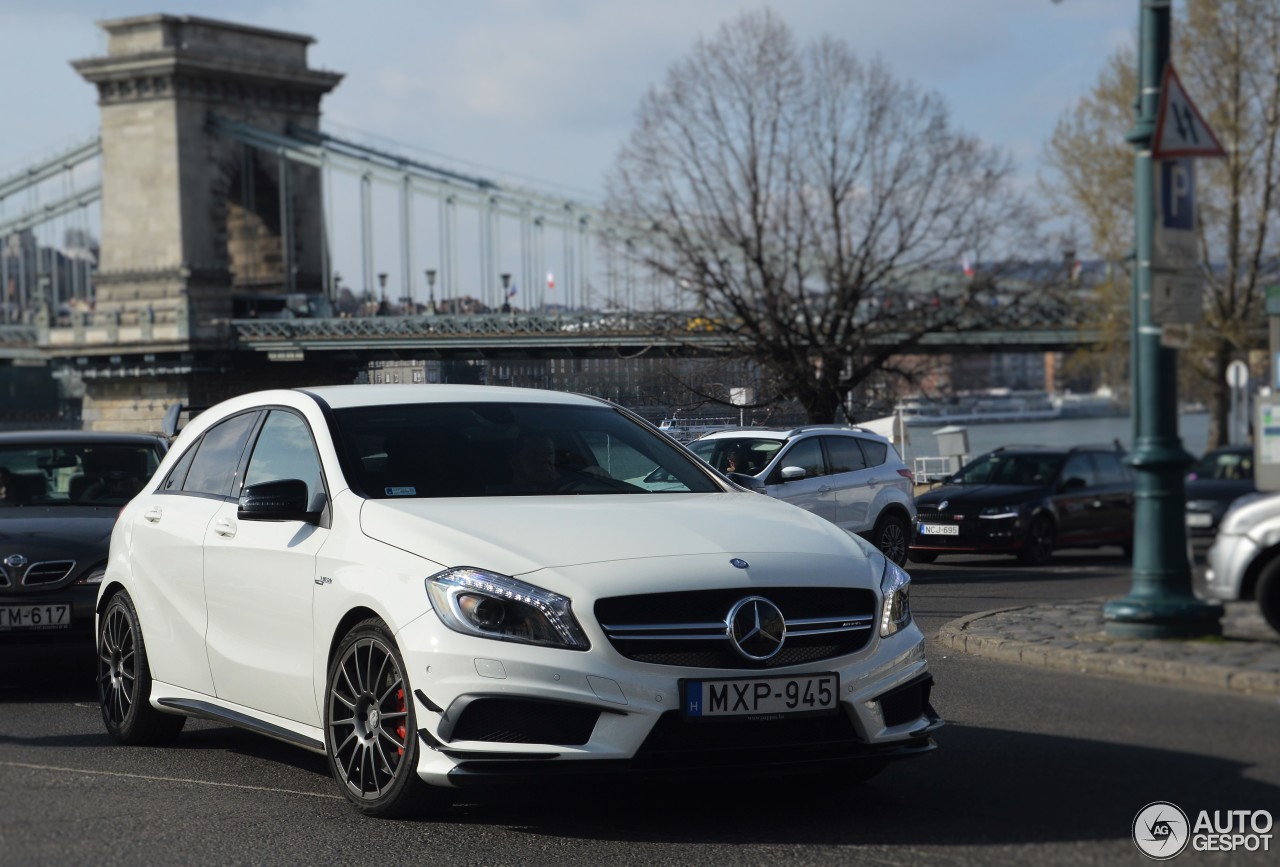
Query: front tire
{"points": [[1267, 593], [1037, 548], [124, 679], [891, 537], [371, 735]]}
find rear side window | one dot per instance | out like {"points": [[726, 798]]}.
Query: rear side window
{"points": [[875, 451], [213, 470], [845, 455]]}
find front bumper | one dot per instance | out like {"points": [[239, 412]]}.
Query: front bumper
{"points": [[1228, 560], [491, 712], [973, 536]]}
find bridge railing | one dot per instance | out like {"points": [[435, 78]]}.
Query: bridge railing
{"points": [[470, 325]]}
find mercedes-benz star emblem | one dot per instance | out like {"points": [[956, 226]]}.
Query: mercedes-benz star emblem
{"points": [[756, 628], [15, 561], [943, 505], [739, 563]]}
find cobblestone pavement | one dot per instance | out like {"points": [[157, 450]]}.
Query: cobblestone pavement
{"points": [[1069, 636]]}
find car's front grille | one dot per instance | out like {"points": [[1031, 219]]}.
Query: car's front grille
{"points": [[689, 629], [4, 577], [47, 572]]}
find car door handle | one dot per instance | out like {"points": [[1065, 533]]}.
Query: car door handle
{"points": [[153, 514], [225, 528]]}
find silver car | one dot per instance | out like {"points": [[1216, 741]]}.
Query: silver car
{"points": [[1244, 561], [852, 477]]}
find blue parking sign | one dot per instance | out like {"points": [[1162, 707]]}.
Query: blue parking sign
{"points": [[1178, 194]]}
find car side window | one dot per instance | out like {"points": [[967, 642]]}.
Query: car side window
{"points": [[875, 451], [178, 475], [808, 454], [1079, 466], [844, 454], [213, 470], [285, 450], [1110, 470]]}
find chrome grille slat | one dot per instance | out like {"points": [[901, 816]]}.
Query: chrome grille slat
{"points": [[47, 572]]}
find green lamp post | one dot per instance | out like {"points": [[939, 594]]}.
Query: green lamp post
{"points": [[1160, 603]]}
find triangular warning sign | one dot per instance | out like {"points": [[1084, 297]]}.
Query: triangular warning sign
{"points": [[1180, 130]]}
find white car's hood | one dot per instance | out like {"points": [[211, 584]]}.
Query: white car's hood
{"points": [[516, 535]]}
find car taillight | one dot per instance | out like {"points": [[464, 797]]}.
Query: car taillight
{"points": [[907, 474]]}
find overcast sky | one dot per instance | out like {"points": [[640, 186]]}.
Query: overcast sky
{"points": [[546, 90]]}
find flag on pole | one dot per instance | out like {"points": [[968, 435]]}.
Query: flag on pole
{"points": [[551, 280], [966, 265], [511, 292]]}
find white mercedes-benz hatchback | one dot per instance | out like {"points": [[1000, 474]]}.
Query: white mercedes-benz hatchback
{"points": [[445, 586]]}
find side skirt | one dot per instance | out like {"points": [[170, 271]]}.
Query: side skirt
{"points": [[206, 710]]}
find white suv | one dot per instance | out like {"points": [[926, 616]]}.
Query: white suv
{"points": [[850, 476]]}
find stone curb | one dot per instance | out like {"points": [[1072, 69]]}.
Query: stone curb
{"points": [[1096, 658]]}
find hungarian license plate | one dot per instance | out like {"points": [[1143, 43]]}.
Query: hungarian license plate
{"points": [[771, 697], [939, 530], [1199, 519], [35, 616]]}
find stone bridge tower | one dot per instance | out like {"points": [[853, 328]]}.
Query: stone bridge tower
{"points": [[190, 217]]}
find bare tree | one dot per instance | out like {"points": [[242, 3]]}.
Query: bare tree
{"points": [[816, 208], [1228, 56]]}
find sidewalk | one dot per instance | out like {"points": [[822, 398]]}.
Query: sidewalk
{"points": [[1069, 636]]}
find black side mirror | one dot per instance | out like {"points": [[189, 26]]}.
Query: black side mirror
{"points": [[749, 482], [283, 500]]}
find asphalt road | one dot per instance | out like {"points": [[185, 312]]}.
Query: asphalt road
{"points": [[1035, 767]]}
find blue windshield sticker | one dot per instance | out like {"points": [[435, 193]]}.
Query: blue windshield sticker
{"points": [[402, 492]]}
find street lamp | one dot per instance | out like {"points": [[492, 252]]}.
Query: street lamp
{"points": [[506, 285], [1160, 603], [431, 288], [382, 285]]}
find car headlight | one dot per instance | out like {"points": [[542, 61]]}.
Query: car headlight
{"points": [[95, 576], [476, 602], [895, 611], [995, 512]]}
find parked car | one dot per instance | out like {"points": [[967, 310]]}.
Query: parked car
{"points": [[852, 477], [1244, 559], [442, 586], [60, 493], [1029, 502], [1216, 481]]}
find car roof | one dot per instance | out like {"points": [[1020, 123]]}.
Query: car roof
{"points": [[77, 437], [346, 396], [786, 433]]}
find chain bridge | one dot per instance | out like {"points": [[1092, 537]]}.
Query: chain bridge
{"points": [[213, 190]]}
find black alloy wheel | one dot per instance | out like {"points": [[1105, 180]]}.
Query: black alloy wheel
{"points": [[890, 536], [370, 732], [1037, 547], [1267, 593], [124, 679]]}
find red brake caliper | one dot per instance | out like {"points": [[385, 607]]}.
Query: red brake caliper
{"points": [[401, 731]]}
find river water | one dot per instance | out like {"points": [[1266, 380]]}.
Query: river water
{"points": [[1193, 429]]}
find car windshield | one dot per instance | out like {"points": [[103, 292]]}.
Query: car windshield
{"points": [[69, 474], [737, 454], [1224, 466], [999, 468], [508, 449]]}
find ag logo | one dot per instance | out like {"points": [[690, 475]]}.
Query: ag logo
{"points": [[1161, 830]]}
